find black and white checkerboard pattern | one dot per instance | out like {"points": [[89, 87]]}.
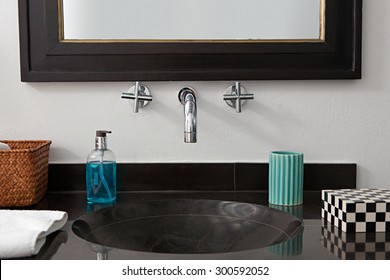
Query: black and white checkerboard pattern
{"points": [[357, 210], [356, 246]]}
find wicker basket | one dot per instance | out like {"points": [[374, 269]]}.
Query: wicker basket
{"points": [[23, 172]]}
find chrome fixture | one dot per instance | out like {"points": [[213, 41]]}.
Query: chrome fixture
{"points": [[101, 251], [236, 96], [187, 98], [140, 94], [102, 256]]}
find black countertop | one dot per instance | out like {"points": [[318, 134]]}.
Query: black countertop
{"points": [[315, 242]]}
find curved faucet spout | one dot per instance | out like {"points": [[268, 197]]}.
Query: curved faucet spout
{"points": [[187, 98]]}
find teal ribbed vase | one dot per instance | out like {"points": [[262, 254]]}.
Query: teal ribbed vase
{"points": [[285, 178]]}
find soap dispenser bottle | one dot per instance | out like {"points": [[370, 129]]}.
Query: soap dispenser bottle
{"points": [[101, 172]]}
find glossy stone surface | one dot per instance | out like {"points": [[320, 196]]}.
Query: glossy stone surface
{"points": [[187, 226]]}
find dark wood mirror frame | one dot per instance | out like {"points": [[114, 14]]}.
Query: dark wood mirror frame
{"points": [[45, 57]]}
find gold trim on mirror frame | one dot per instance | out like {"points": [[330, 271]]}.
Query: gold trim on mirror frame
{"points": [[61, 34], [322, 19]]}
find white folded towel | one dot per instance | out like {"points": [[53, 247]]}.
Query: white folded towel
{"points": [[4, 146], [23, 232]]}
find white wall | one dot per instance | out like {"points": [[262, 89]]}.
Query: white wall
{"points": [[330, 121]]}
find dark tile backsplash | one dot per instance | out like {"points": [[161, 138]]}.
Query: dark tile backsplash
{"points": [[176, 176], [317, 176], [201, 176]]}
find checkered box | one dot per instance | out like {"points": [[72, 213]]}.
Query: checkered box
{"points": [[356, 246], [357, 210]]}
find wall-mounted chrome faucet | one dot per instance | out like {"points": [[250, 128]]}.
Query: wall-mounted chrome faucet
{"points": [[236, 95], [187, 98], [140, 94]]}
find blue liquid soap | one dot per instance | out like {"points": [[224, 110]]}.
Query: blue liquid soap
{"points": [[101, 182]]}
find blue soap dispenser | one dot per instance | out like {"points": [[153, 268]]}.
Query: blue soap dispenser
{"points": [[101, 172]]}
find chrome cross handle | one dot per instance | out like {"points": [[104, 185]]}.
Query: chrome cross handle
{"points": [[235, 96], [140, 94]]}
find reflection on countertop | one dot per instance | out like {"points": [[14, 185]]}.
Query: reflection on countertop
{"points": [[356, 246], [315, 242], [74, 202]]}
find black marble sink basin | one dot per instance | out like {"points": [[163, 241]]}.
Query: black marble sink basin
{"points": [[187, 226]]}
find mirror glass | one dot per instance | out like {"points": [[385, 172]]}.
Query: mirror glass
{"points": [[191, 19]]}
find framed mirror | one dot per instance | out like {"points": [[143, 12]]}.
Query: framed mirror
{"points": [[191, 20], [149, 40]]}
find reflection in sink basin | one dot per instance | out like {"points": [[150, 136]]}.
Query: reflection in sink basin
{"points": [[187, 226]]}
